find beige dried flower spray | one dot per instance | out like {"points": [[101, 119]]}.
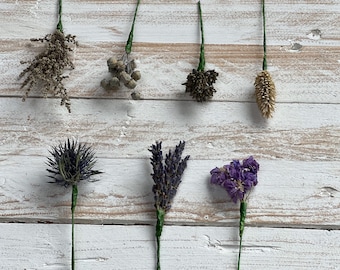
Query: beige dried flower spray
{"points": [[264, 86], [46, 70]]}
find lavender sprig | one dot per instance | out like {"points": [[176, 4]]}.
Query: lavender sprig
{"points": [[237, 179], [71, 163], [167, 177], [199, 82]]}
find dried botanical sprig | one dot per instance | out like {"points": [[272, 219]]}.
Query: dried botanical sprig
{"points": [[265, 93], [238, 180], [264, 86], [167, 177], [46, 70], [199, 82], [71, 163], [123, 70]]}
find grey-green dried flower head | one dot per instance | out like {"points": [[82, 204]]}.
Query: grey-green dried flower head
{"points": [[265, 93], [136, 95], [122, 70], [46, 70], [71, 163], [200, 84]]}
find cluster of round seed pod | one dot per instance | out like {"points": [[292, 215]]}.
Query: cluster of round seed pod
{"points": [[122, 72]]}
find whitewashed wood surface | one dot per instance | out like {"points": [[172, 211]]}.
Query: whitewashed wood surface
{"points": [[293, 217]]}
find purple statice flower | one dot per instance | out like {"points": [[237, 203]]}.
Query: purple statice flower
{"points": [[166, 174], [236, 178]]}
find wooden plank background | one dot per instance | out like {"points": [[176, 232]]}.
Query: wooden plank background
{"points": [[293, 218]]}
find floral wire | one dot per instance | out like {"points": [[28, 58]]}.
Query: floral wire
{"points": [[73, 207], [60, 24], [201, 64], [159, 229], [264, 64], [243, 212], [128, 45]]}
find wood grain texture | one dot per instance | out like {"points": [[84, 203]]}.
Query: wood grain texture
{"points": [[133, 247], [293, 217], [123, 195], [305, 73], [125, 129], [309, 76]]}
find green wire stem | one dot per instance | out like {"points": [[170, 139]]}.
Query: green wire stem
{"points": [[201, 64], [159, 228], [264, 64], [60, 9], [243, 212], [73, 207], [128, 45]]}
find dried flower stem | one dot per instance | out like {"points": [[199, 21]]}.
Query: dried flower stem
{"points": [[128, 45], [199, 82], [71, 163], [60, 24], [264, 64], [167, 177], [265, 91], [73, 207], [201, 64], [159, 228], [237, 179], [243, 212]]}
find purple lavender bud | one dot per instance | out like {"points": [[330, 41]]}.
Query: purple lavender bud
{"points": [[166, 175]]}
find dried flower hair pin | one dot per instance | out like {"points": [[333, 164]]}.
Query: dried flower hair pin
{"points": [[264, 86], [71, 163], [238, 180], [167, 177], [199, 82], [123, 70], [46, 70]]}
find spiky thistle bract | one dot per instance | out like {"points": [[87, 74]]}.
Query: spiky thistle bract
{"points": [[71, 162]]}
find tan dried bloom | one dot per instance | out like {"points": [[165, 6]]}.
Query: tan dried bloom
{"points": [[46, 70], [265, 93], [122, 70]]}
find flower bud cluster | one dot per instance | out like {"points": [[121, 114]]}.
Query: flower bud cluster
{"points": [[123, 71], [236, 178], [200, 84]]}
